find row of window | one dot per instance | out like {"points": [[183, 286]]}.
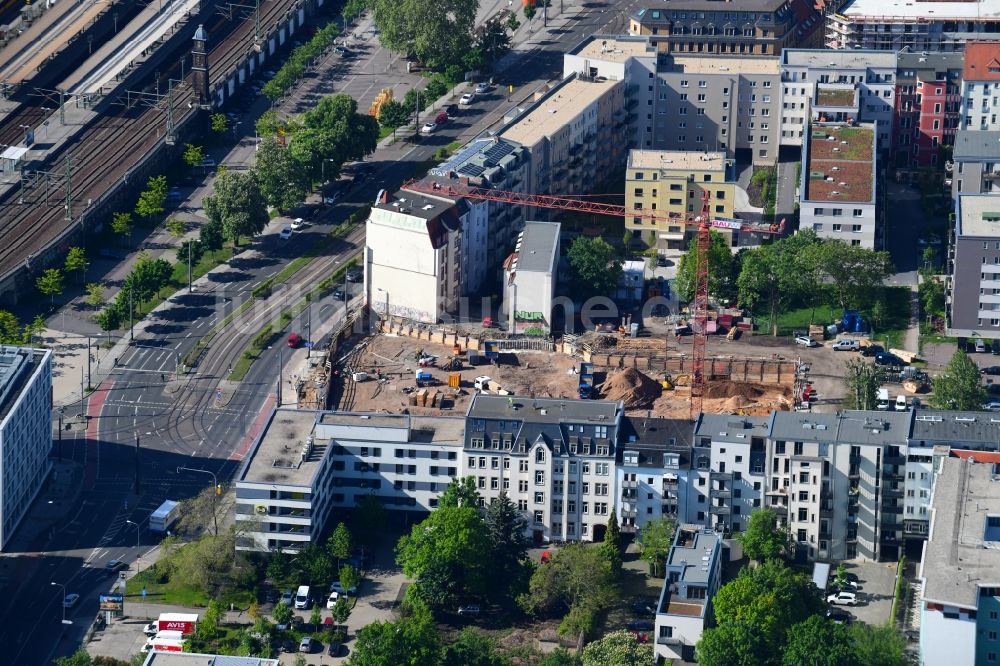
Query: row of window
{"points": [[837, 212], [376, 452]]}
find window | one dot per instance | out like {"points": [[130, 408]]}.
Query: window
{"points": [[539, 498], [818, 211], [538, 516], [684, 84], [702, 84]]}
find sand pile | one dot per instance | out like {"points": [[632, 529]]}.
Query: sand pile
{"points": [[636, 390]]}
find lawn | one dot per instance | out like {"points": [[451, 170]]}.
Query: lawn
{"points": [[894, 325], [179, 593]]}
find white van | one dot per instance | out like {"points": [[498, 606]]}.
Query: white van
{"points": [[900, 403], [302, 597], [883, 399]]}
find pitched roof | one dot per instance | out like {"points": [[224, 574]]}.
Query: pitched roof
{"points": [[982, 61]]}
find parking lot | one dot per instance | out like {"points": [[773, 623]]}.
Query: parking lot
{"points": [[876, 584]]}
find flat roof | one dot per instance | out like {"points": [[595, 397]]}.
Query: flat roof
{"points": [[421, 429], [931, 426], [722, 427], [697, 555], [556, 110], [415, 204], [685, 160], [556, 410], [854, 427], [979, 215], [614, 49], [18, 366], [961, 554], [839, 58], [847, 156], [195, 659], [437, 430], [365, 419], [539, 242], [277, 457], [927, 60], [977, 145], [713, 64], [715, 5], [939, 11]]}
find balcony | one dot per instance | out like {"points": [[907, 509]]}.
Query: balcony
{"points": [[722, 494], [628, 513], [630, 485], [719, 510], [826, 510], [892, 476], [826, 535], [894, 460], [851, 537], [889, 491], [854, 472], [852, 500], [670, 484], [779, 509], [890, 508], [826, 494], [628, 494], [720, 476]]}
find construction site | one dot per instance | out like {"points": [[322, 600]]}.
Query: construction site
{"points": [[435, 370]]}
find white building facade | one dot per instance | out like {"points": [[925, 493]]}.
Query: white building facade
{"points": [[530, 276]]}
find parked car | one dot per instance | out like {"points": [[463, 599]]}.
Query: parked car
{"points": [[805, 341], [992, 406], [995, 347], [872, 350], [885, 358], [846, 344], [980, 346], [331, 601], [307, 644], [341, 51], [355, 275], [302, 600], [843, 598], [471, 610], [428, 128], [839, 616], [297, 224], [337, 587], [641, 625], [467, 98], [644, 607], [991, 370], [286, 232], [900, 403], [286, 598], [294, 340], [339, 295], [482, 87], [451, 110], [288, 645], [152, 628]]}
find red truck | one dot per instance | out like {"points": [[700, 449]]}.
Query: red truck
{"points": [[182, 622]]}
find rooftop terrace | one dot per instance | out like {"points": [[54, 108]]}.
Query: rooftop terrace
{"points": [[841, 164], [681, 160]]}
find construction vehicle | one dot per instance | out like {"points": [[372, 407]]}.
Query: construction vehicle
{"points": [[383, 96], [704, 222]]}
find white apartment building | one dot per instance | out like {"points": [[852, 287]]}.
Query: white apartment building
{"points": [[737, 446], [530, 276], [981, 86], [837, 85], [653, 471], [554, 458], [307, 463], [25, 432]]}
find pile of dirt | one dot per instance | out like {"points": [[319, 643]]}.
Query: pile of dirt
{"points": [[750, 392], [636, 390]]}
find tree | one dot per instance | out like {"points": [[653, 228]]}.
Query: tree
{"points": [[958, 387], [613, 534], [279, 567], [353, 9], [210, 236], [152, 199], [840, 580], [349, 577], [512, 23], [237, 205], [202, 512], [654, 541], [50, 283], [460, 492], [437, 38], [78, 658], [282, 613], [863, 381], [341, 610], [393, 115], [595, 264], [269, 123], [819, 642], [282, 179], [854, 270], [316, 616], [76, 260], [176, 227], [445, 554], [208, 627], [506, 529], [772, 276], [558, 657], [877, 645], [95, 293], [619, 648], [340, 544], [35, 328], [529, 11], [121, 224], [721, 282], [10, 329], [763, 538], [733, 644], [193, 155], [413, 641], [314, 565], [220, 123], [474, 647]]}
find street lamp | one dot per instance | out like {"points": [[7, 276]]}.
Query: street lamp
{"points": [[215, 495], [136, 526], [64, 620], [323, 168]]}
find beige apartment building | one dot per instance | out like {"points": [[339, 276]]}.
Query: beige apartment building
{"points": [[672, 184]]}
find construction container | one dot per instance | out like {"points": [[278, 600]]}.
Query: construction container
{"points": [[817, 332], [421, 397], [455, 379]]}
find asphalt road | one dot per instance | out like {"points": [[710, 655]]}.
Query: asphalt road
{"points": [[186, 425]]}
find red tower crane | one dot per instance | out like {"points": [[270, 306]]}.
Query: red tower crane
{"points": [[704, 222]]}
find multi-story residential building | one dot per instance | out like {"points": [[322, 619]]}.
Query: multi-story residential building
{"points": [[530, 276], [306, 463], [837, 186], [693, 576], [493, 163], [25, 432], [975, 163], [752, 27], [836, 86], [576, 135], [718, 103], [973, 287], [928, 107], [652, 475], [554, 458], [736, 477], [981, 85], [960, 567], [672, 184], [937, 25], [416, 251]]}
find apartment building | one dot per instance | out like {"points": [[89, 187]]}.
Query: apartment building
{"points": [[306, 463], [25, 432], [672, 184], [719, 103], [416, 252], [837, 187], [684, 609], [751, 27], [975, 163], [737, 447], [576, 136], [653, 471], [928, 107], [554, 458], [960, 567], [972, 293], [836, 86], [492, 163], [530, 276], [937, 25], [981, 85]]}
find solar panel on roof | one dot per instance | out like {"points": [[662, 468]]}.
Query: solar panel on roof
{"points": [[473, 170], [499, 151]]}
